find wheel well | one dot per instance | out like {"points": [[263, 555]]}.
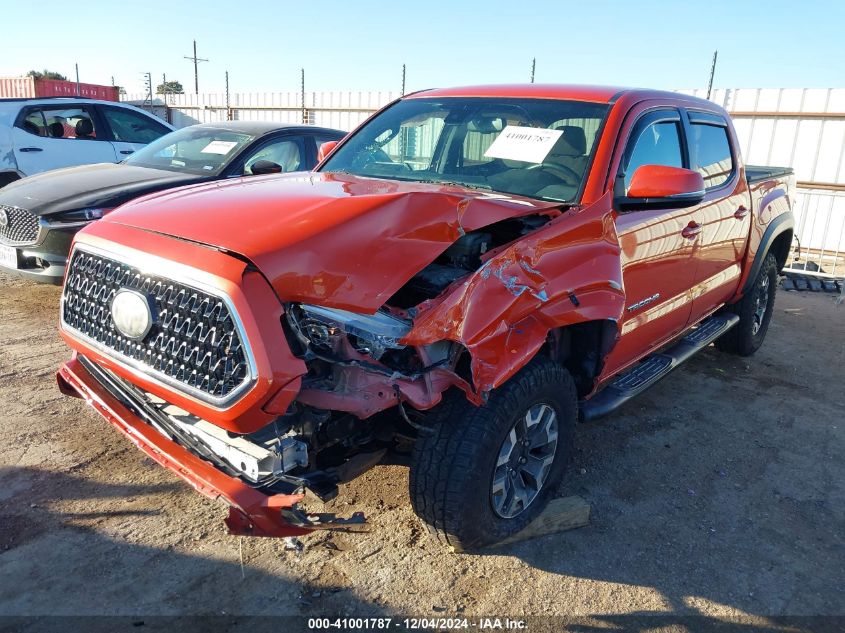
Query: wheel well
{"points": [[582, 348], [780, 248], [7, 177]]}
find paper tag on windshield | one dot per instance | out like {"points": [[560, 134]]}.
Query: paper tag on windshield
{"points": [[529, 144], [219, 147]]}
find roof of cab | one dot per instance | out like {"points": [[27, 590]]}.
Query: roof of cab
{"points": [[595, 94], [262, 127]]}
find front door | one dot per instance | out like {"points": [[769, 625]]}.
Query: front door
{"points": [[658, 264], [130, 130]]}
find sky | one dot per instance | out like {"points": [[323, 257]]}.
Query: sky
{"points": [[362, 45]]}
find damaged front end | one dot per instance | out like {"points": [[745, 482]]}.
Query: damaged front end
{"points": [[326, 386], [180, 443]]}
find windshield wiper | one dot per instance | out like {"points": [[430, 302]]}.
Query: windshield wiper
{"points": [[455, 183]]}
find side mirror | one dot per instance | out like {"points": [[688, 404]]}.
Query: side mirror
{"points": [[261, 167], [662, 187], [326, 149]]}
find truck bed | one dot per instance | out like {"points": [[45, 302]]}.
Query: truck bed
{"points": [[757, 173]]}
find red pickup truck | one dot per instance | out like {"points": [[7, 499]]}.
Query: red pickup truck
{"points": [[464, 276]]}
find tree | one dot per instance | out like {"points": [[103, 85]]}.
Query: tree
{"points": [[170, 88], [46, 74]]}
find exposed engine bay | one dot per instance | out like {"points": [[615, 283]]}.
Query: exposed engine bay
{"points": [[462, 258], [325, 437]]}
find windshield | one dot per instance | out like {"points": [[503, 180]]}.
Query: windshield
{"points": [[192, 150], [530, 147]]}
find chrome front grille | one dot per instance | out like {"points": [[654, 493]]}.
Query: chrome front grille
{"points": [[195, 343], [17, 226]]}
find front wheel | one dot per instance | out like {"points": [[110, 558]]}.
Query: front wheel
{"points": [[484, 473], [755, 313]]}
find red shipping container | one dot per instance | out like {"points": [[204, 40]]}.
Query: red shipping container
{"points": [[29, 87]]}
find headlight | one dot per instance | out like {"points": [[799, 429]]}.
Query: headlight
{"points": [[374, 334], [70, 219]]}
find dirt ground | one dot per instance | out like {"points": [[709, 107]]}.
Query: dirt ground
{"points": [[721, 492]]}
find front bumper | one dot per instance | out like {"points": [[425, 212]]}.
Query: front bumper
{"points": [[251, 511], [45, 260]]}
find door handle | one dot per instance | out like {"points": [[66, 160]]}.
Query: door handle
{"points": [[740, 213], [31, 149], [127, 151], [691, 230]]}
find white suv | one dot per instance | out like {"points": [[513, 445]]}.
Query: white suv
{"points": [[41, 134]]}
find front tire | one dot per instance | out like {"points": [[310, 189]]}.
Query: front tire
{"points": [[755, 313], [484, 473]]}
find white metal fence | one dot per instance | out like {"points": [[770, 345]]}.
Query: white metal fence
{"points": [[340, 110], [801, 128]]}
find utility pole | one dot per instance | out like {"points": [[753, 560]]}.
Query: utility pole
{"points": [[533, 67], [302, 89], [148, 84], [77, 79], [229, 116], [403, 80], [196, 61], [164, 85], [712, 72]]}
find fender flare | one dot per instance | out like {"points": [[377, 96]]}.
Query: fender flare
{"points": [[779, 225]]}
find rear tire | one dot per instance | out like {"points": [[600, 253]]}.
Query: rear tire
{"points": [[460, 472], [755, 313]]}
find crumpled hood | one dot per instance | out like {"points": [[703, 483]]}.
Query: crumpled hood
{"points": [[104, 185], [331, 239]]}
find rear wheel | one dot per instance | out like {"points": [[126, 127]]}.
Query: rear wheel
{"points": [[755, 313], [484, 473]]}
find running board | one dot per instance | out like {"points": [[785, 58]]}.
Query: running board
{"points": [[650, 370]]}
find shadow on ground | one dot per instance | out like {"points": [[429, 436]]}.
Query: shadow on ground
{"points": [[131, 578]]}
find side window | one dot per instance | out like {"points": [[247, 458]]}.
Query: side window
{"points": [[412, 148], [132, 127], [287, 153], [656, 144], [319, 140], [34, 123], [711, 153], [60, 122], [479, 136]]}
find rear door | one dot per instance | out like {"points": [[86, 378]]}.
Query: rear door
{"points": [[62, 135], [724, 214], [658, 265], [130, 130]]}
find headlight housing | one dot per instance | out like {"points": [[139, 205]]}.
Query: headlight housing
{"points": [[70, 219], [325, 328]]}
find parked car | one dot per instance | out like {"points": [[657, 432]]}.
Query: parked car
{"points": [[475, 268], [40, 215], [50, 132]]}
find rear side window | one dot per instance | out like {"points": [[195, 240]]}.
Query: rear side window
{"points": [[657, 144], [62, 122], [132, 127], [711, 153]]}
